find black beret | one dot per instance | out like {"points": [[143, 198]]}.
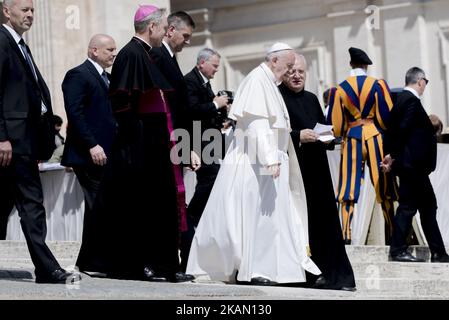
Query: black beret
{"points": [[359, 56]]}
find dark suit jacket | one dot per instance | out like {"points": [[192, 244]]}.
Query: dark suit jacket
{"points": [[177, 99], [90, 119], [410, 137], [201, 106], [21, 95]]}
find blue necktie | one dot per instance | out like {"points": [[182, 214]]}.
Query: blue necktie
{"points": [[27, 56], [28, 59], [104, 76]]}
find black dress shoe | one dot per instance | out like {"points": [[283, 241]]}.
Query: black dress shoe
{"points": [[150, 275], [351, 289], [58, 276], [320, 283], [405, 257], [261, 281], [437, 257], [347, 241], [181, 277]]}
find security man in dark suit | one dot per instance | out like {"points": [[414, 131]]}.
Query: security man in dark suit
{"points": [[210, 111], [26, 136], [179, 33], [411, 152], [90, 135]]}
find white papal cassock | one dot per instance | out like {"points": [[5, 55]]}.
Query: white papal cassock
{"points": [[253, 223]]}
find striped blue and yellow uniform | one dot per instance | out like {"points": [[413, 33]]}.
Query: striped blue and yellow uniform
{"points": [[358, 110]]}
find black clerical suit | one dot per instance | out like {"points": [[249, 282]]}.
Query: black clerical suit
{"points": [[410, 140], [325, 238], [146, 192], [90, 123], [32, 136]]}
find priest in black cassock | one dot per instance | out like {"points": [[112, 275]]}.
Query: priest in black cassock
{"points": [[145, 188], [325, 237]]}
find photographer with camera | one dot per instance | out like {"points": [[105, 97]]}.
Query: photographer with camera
{"points": [[210, 111], [228, 123]]}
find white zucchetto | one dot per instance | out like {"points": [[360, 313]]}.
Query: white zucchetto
{"points": [[278, 46]]}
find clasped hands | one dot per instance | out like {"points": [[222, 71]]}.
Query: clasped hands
{"points": [[274, 170], [387, 163], [195, 161]]}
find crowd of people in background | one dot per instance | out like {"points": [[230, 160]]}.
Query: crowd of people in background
{"points": [[264, 210]]}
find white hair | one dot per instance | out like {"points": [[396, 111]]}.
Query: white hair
{"points": [[205, 54], [8, 3], [277, 54]]}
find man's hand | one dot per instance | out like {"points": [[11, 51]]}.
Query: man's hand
{"points": [[195, 161], [221, 101], [308, 135], [275, 170], [98, 155], [386, 163], [5, 153]]}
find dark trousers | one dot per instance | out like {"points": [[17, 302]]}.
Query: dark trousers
{"points": [[205, 176], [20, 185], [416, 193], [91, 251], [5, 211]]}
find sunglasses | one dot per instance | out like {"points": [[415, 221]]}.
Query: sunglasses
{"points": [[426, 80]]}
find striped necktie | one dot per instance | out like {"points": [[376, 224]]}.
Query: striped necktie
{"points": [[104, 76], [27, 55]]}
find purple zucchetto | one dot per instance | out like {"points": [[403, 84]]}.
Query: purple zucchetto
{"points": [[144, 11]]}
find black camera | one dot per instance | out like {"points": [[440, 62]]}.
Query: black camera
{"points": [[230, 95]]}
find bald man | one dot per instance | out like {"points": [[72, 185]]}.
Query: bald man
{"points": [[90, 134]]}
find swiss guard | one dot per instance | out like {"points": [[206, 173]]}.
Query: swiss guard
{"points": [[359, 108]]}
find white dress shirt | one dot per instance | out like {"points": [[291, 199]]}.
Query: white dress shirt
{"points": [[415, 93], [358, 72], [17, 39]]}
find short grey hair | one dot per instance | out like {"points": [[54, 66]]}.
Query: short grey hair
{"points": [[205, 54], [155, 17], [276, 54], [272, 55], [8, 3], [180, 18], [302, 57], [413, 75]]}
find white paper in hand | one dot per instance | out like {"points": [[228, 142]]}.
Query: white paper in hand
{"points": [[324, 131]]}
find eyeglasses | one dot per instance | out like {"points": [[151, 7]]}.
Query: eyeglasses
{"points": [[426, 80], [295, 71]]}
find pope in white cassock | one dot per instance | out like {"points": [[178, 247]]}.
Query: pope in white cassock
{"points": [[255, 221]]}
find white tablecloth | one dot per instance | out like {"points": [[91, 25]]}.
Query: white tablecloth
{"points": [[366, 204], [63, 200], [440, 183], [64, 204]]}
